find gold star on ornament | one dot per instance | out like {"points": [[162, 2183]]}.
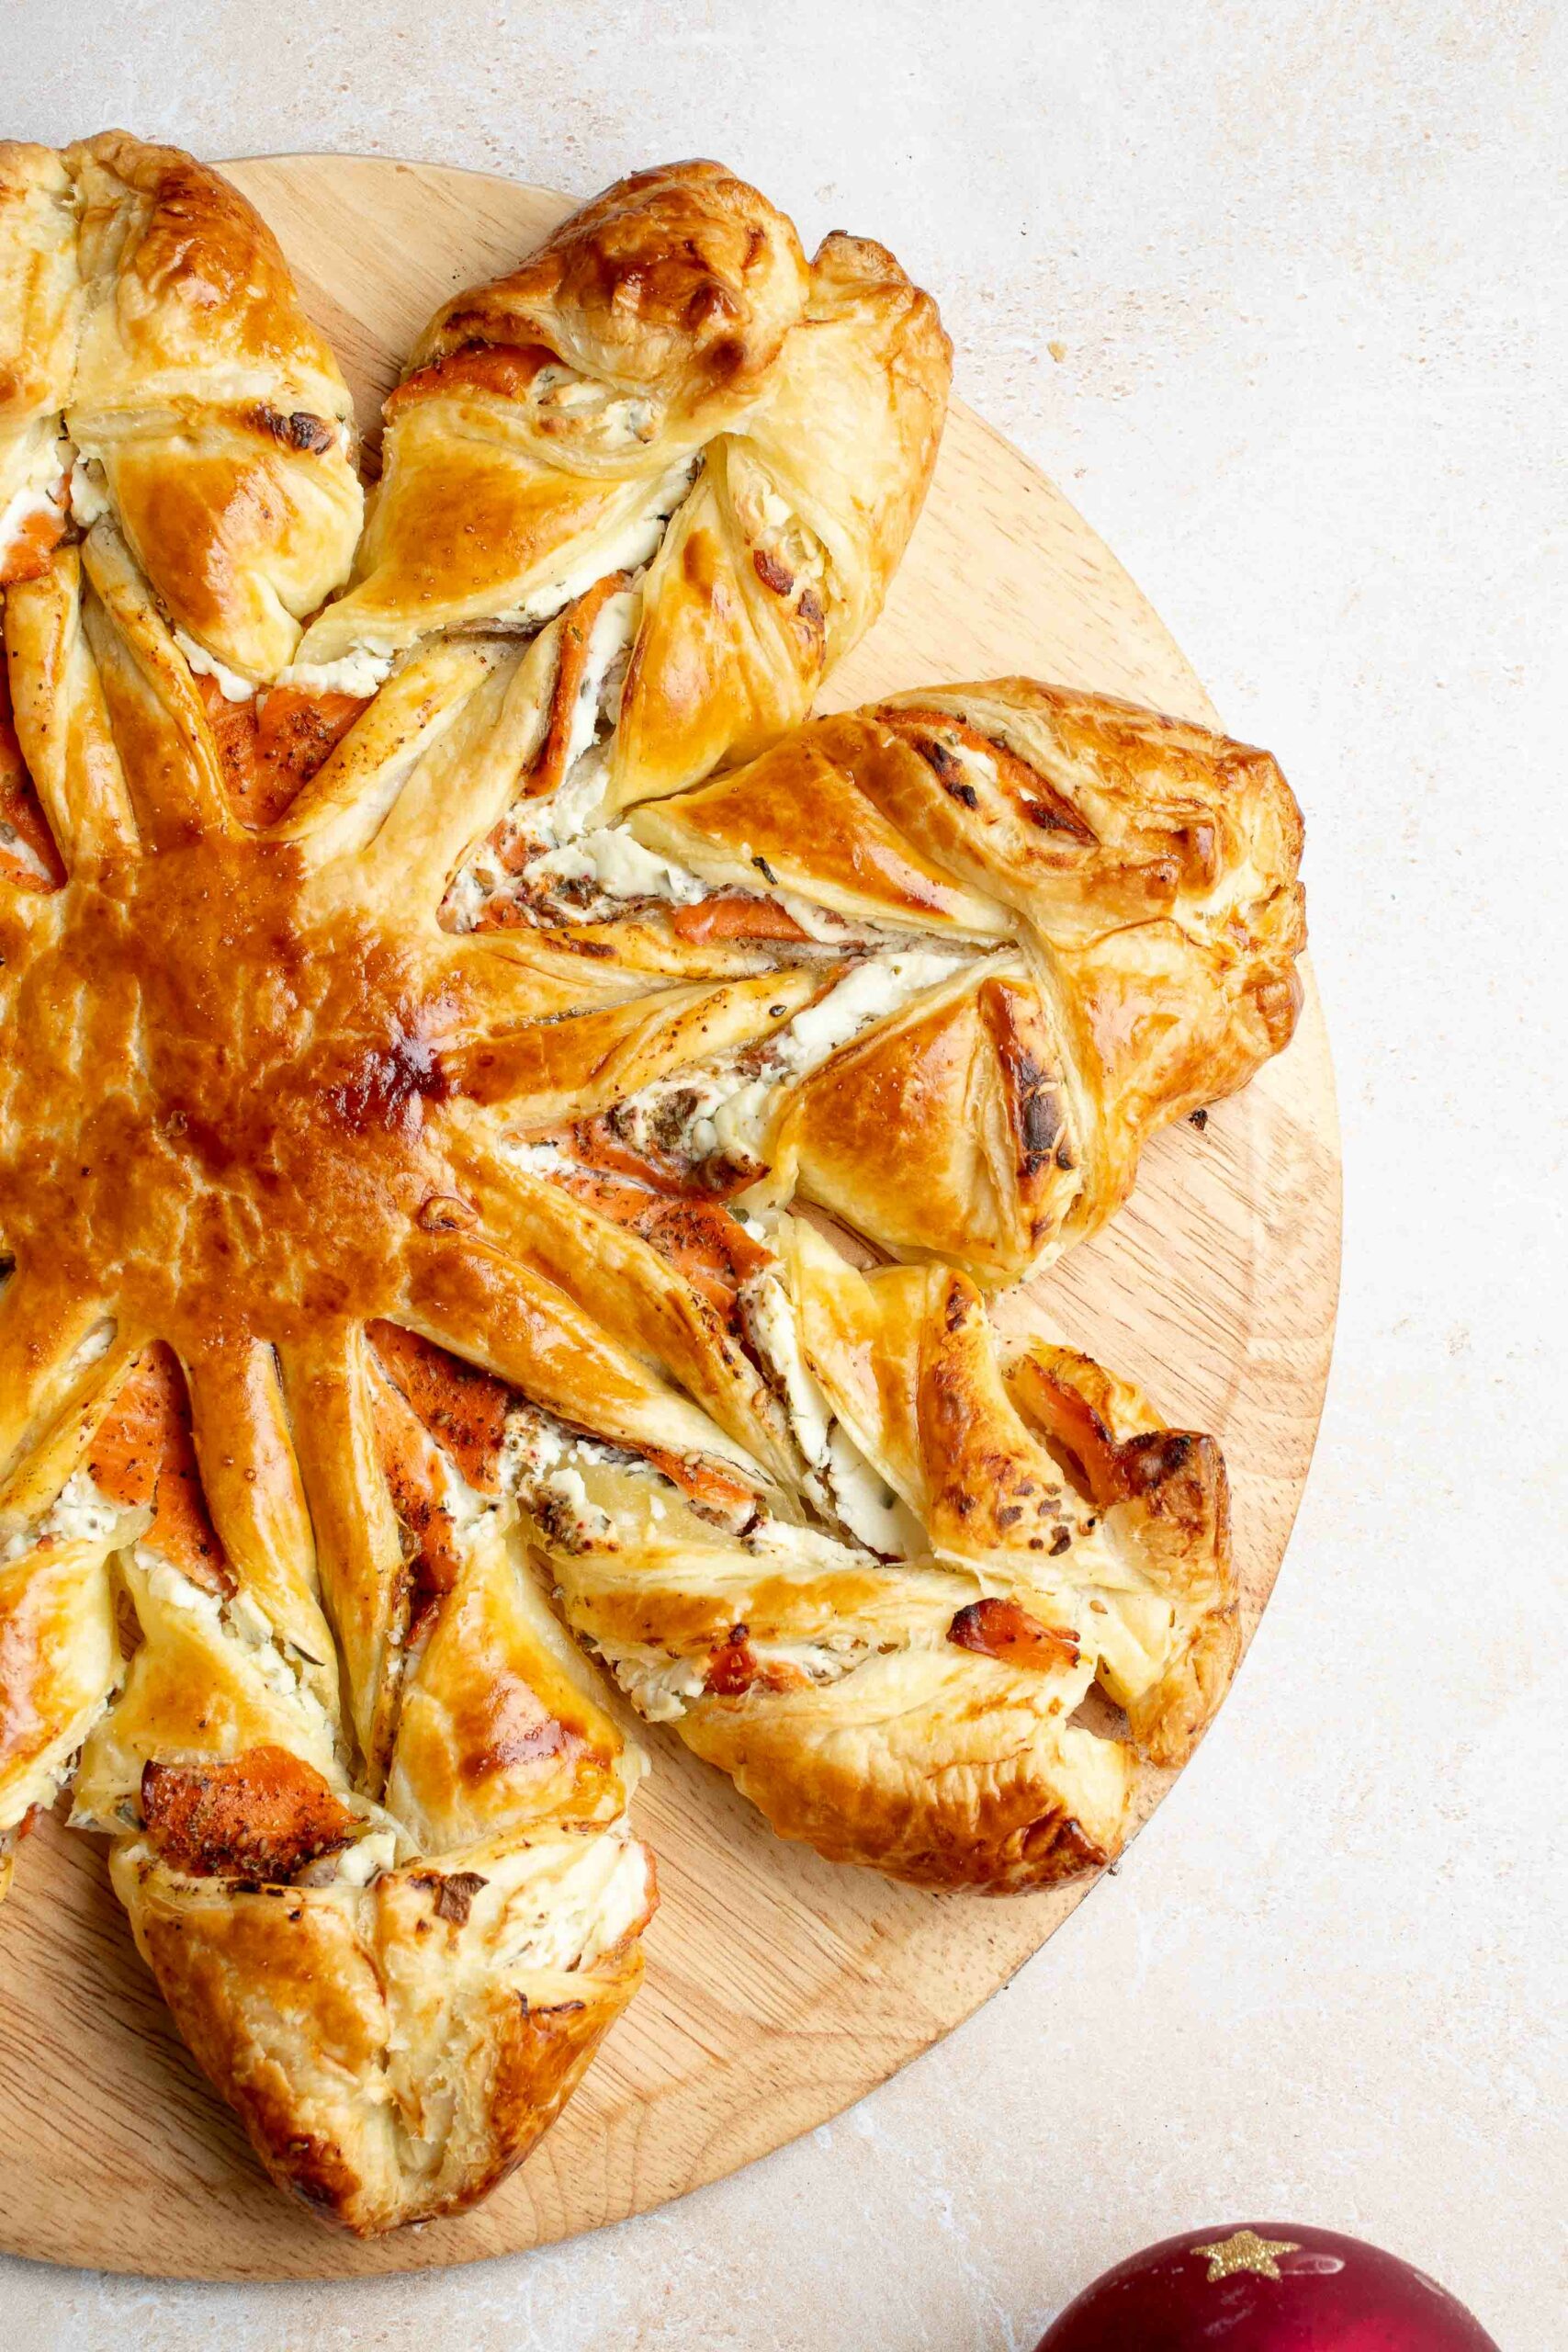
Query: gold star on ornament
{"points": [[1245, 2251]]}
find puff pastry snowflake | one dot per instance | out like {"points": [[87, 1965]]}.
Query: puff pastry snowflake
{"points": [[432, 973]]}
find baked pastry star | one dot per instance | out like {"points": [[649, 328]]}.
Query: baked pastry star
{"points": [[426, 1011]]}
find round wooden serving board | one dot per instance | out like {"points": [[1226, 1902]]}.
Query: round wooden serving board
{"points": [[779, 1988]]}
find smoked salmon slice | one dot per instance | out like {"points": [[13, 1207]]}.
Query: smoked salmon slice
{"points": [[548, 771], [596, 1144], [263, 1815], [704, 1481], [464, 1410], [693, 1232], [272, 745], [144, 1454], [28, 854], [733, 916], [28, 553], [1005, 1631]]}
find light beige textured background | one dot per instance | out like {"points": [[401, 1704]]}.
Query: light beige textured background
{"points": [[1275, 289]]}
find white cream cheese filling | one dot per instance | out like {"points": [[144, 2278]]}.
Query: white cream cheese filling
{"points": [[232, 685], [571, 1914], [660, 1686], [628, 546], [569, 838], [618, 419], [617, 868], [841, 1482], [542, 1463], [356, 1864], [361, 671], [727, 1107], [40, 481], [237, 1616], [598, 702], [79, 1514], [535, 1159], [776, 531], [89, 492]]}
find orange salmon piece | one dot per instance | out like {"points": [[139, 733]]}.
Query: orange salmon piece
{"points": [[27, 846], [411, 1466], [701, 1480], [703, 1242], [695, 1232], [1006, 1632], [463, 1408], [296, 731], [272, 745], [549, 767], [733, 917], [265, 1815], [144, 1453], [1075, 1425], [28, 553], [735, 1668], [594, 1143]]}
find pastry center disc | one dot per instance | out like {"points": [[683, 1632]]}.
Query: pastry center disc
{"points": [[219, 1094]]}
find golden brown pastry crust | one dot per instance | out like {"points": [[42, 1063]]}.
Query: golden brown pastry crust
{"points": [[551, 421], [59, 1663], [916, 1712], [146, 311], [292, 1999], [679, 279], [38, 298], [1122, 891]]}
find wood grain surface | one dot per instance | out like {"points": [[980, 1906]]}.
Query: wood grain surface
{"points": [[779, 1988]]}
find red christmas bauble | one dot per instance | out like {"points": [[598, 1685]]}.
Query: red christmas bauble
{"points": [[1265, 2286]]}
